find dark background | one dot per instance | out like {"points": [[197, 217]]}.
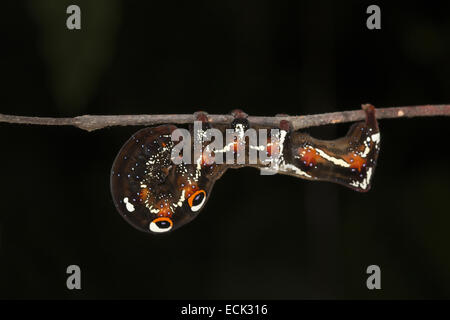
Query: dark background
{"points": [[273, 237]]}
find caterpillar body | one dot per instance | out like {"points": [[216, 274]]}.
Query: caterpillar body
{"points": [[156, 194]]}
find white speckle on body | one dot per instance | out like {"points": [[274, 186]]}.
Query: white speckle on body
{"points": [[129, 206], [376, 137]]}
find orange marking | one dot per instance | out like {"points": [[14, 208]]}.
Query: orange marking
{"points": [[309, 156], [189, 189], [275, 146], [235, 146], [143, 194], [356, 162], [164, 209]]}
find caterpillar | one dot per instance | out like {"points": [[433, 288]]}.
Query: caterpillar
{"points": [[157, 194]]}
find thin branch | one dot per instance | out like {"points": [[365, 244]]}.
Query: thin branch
{"points": [[91, 122]]}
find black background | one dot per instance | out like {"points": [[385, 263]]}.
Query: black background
{"points": [[259, 237]]}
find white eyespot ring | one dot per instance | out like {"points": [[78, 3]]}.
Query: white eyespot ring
{"points": [[160, 225], [197, 200]]}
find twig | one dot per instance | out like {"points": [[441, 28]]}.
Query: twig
{"points": [[92, 122]]}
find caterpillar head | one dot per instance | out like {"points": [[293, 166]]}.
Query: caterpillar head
{"points": [[153, 193]]}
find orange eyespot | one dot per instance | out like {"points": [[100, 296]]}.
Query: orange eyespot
{"points": [[197, 200], [161, 225]]}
